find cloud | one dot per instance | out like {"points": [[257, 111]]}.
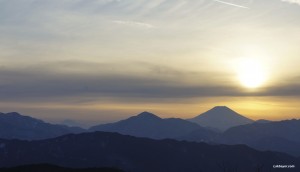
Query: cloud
{"points": [[284, 90], [38, 30], [56, 81], [231, 4], [134, 23], [59, 81], [292, 1]]}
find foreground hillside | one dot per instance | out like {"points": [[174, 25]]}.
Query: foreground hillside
{"points": [[133, 154], [53, 168]]}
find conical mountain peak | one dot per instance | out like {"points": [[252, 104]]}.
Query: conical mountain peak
{"points": [[221, 110], [220, 117], [147, 115], [221, 107]]}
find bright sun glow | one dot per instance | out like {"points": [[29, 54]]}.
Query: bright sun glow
{"points": [[251, 73]]}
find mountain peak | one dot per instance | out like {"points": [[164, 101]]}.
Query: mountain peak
{"points": [[221, 110], [17, 126], [221, 107], [147, 115], [13, 114], [220, 117]]}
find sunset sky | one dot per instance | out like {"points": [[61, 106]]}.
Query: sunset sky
{"points": [[103, 60]]}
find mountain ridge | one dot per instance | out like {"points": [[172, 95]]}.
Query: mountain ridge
{"points": [[100, 149], [148, 125], [16, 126], [280, 136]]}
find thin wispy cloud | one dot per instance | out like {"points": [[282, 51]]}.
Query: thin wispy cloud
{"points": [[231, 4], [292, 1], [134, 23]]}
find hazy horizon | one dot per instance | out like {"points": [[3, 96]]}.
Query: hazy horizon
{"points": [[105, 60], [89, 123]]}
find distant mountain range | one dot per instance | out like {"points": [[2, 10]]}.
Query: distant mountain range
{"points": [[220, 118], [151, 126], [133, 154], [16, 126], [283, 136]]}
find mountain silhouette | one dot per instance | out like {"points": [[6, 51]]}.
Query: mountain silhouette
{"points": [[16, 126], [221, 118], [280, 136], [263, 121], [101, 149], [54, 168], [151, 126]]}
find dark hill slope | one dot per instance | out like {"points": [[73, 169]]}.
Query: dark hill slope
{"points": [[133, 154]]}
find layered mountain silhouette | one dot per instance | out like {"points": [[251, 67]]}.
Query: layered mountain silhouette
{"points": [[280, 136], [220, 118], [100, 149], [16, 126], [54, 168], [151, 126]]}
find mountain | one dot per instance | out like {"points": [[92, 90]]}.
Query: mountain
{"points": [[221, 118], [100, 149], [200, 135], [70, 123], [151, 126], [16, 126], [54, 168], [280, 136], [263, 121]]}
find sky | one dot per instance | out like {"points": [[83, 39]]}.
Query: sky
{"points": [[97, 61]]}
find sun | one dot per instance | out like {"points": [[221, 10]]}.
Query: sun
{"points": [[251, 73]]}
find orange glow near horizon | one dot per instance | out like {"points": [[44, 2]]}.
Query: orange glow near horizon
{"points": [[271, 108]]}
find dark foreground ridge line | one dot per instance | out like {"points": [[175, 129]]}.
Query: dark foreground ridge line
{"points": [[55, 168], [132, 154]]}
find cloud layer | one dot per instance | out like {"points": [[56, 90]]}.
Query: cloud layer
{"points": [[292, 1], [68, 79], [143, 51]]}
